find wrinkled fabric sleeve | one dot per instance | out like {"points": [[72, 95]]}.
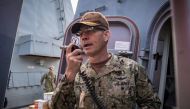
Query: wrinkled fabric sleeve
{"points": [[55, 79], [64, 95], [146, 98], [42, 79]]}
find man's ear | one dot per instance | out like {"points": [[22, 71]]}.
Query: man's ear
{"points": [[106, 35]]}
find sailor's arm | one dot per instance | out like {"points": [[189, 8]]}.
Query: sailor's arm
{"points": [[42, 79], [64, 95], [146, 98]]}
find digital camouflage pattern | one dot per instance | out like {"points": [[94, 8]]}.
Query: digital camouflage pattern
{"points": [[48, 82], [120, 84]]}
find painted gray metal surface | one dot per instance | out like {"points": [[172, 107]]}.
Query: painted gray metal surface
{"points": [[29, 45], [23, 96], [42, 20], [10, 12]]}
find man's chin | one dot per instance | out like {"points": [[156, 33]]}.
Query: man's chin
{"points": [[89, 53]]}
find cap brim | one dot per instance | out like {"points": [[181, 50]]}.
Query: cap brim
{"points": [[76, 27]]}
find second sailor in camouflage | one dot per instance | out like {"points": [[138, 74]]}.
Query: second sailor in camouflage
{"points": [[48, 80]]}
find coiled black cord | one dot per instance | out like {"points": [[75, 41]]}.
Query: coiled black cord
{"points": [[91, 90]]}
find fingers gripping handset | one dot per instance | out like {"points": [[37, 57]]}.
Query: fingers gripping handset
{"points": [[74, 60]]}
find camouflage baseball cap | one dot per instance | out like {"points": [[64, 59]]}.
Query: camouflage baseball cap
{"points": [[91, 19]]}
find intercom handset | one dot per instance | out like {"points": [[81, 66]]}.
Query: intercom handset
{"points": [[89, 84]]}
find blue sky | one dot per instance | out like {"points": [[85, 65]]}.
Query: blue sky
{"points": [[74, 5]]}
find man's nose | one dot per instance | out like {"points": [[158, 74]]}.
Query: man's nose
{"points": [[84, 37]]}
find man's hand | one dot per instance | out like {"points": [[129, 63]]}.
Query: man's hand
{"points": [[74, 60]]}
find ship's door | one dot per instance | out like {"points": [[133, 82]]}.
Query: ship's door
{"points": [[162, 66]]}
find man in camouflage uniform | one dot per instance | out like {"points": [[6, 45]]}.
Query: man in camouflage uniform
{"points": [[119, 82], [48, 80]]}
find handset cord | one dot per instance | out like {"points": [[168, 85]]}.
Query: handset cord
{"points": [[91, 90]]}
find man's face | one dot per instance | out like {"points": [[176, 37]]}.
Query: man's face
{"points": [[51, 70], [93, 40]]}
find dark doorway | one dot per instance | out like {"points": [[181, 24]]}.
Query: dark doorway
{"points": [[169, 95], [163, 66]]}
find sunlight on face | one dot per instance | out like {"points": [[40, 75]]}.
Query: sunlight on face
{"points": [[93, 42]]}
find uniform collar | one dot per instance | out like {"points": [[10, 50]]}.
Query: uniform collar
{"points": [[112, 65]]}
